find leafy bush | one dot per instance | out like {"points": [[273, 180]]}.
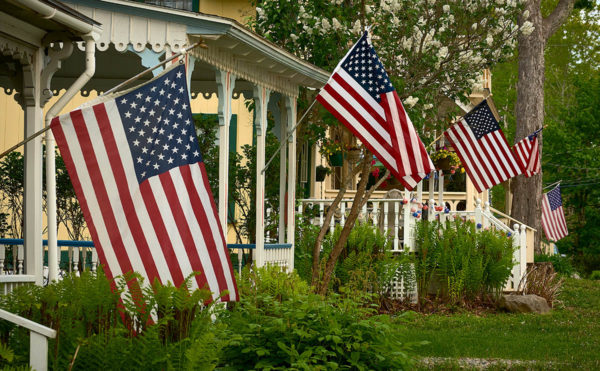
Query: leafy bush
{"points": [[595, 275], [560, 263], [299, 330], [467, 263]]}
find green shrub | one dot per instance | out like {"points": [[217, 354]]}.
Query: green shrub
{"points": [[308, 331], [465, 262], [595, 275], [560, 263]]}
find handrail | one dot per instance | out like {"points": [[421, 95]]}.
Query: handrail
{"points": [[28, 324], [69, 243], [511, 218], [38, 339]]}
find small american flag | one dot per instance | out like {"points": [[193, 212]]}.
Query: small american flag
{"points": [[553, 216], [360, 95], [527, 153], [134, 162], [482, 148]]}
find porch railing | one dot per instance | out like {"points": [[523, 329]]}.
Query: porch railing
{"points": [[76, 256], [399, 217], [38, 339]]}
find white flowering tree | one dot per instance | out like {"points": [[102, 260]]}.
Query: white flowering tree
{"points": [[432, 50]]}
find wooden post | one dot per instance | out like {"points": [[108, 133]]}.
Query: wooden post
{"points": [[290, 108], [261, 99], [225, 84], [32, 197]]}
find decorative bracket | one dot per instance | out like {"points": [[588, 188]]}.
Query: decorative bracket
{"points": [[60, 47]]}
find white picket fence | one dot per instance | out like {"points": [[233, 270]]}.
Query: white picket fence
{"points": [[401, 224]]}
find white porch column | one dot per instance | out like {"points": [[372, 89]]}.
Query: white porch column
{"points": [[282, 173], [261, 99], [225, 84], [290, 109], [32, 187]]}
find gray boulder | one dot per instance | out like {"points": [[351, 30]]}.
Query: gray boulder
{"points": [[524, 304]]}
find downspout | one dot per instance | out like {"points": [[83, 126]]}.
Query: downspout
{"points": [[90, 68], [87, 30]]}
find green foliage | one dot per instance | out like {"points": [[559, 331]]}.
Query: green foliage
{"points": [[595, 275], [276, 325], [463, 262], [272, 281], [11, 191], [560, 263]]}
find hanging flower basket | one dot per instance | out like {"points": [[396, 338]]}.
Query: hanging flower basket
{"points": [[336, 159], [353, 155], [443, 164], [320, 173]]}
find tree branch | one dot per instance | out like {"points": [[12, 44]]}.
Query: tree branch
{"points": [[552, 22]]}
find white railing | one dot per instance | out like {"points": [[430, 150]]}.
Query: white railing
{"points": [[38, 339], [398, 218], [12, 261]]}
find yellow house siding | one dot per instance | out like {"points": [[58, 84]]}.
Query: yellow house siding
{"points": [[239, 10]]}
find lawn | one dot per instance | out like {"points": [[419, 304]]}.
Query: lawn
{"points": [[567, 338]]}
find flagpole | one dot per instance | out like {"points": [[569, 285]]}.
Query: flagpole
{"points": [[42, 131], [289, 135], [553, 184]]}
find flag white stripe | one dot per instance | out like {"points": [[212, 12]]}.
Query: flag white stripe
{"points": [[196, 230], [545, 221], [457, 141], [352, 102], [365, 95], [404, 156], [214, 227], [490, 145], [171, 227], [484, 148], [108, 178], [361, 129], [506, 155], [134, 191], [467, 138], [88, 192]]}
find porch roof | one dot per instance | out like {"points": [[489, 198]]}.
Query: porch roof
{"points": [[230, 45]]}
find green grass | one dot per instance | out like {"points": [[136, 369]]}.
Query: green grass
{"points": [[568, 337]]}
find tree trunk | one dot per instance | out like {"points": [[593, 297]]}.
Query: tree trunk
{"points": [[527, 192], [354, 211]]}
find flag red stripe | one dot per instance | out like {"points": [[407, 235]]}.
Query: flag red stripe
{"points": [[359, 98], [100, 191], [488, 155], [65, 153], [350, 127], [232, 294], [351, 109], [494, 156], [480, 168], [507, 154], [407, 140], [465, 157], [182, 225], [201, 217], [121, 181], [161, 233]]}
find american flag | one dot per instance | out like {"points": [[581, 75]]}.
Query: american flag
{"points": [[482, 148], [360, 95], [134, 162], [553, 217], [527, 153]]}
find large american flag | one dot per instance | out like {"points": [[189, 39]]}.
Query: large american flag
{"points": [[482, 148], [527, 152], [553, 216], [360, 95], [134, 162]]}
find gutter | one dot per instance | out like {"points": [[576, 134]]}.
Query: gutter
{"points": [[90, 69], [89, 33], [85, 29]]}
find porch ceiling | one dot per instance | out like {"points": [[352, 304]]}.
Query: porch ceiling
{"points": [[231, 46]]}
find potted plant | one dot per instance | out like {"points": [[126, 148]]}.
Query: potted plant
{"points": [[321, 172], [446, 160], [353, 154], [332, 150]]}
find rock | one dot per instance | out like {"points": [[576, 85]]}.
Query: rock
{"points": [[524, 304], [576, 276]]}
